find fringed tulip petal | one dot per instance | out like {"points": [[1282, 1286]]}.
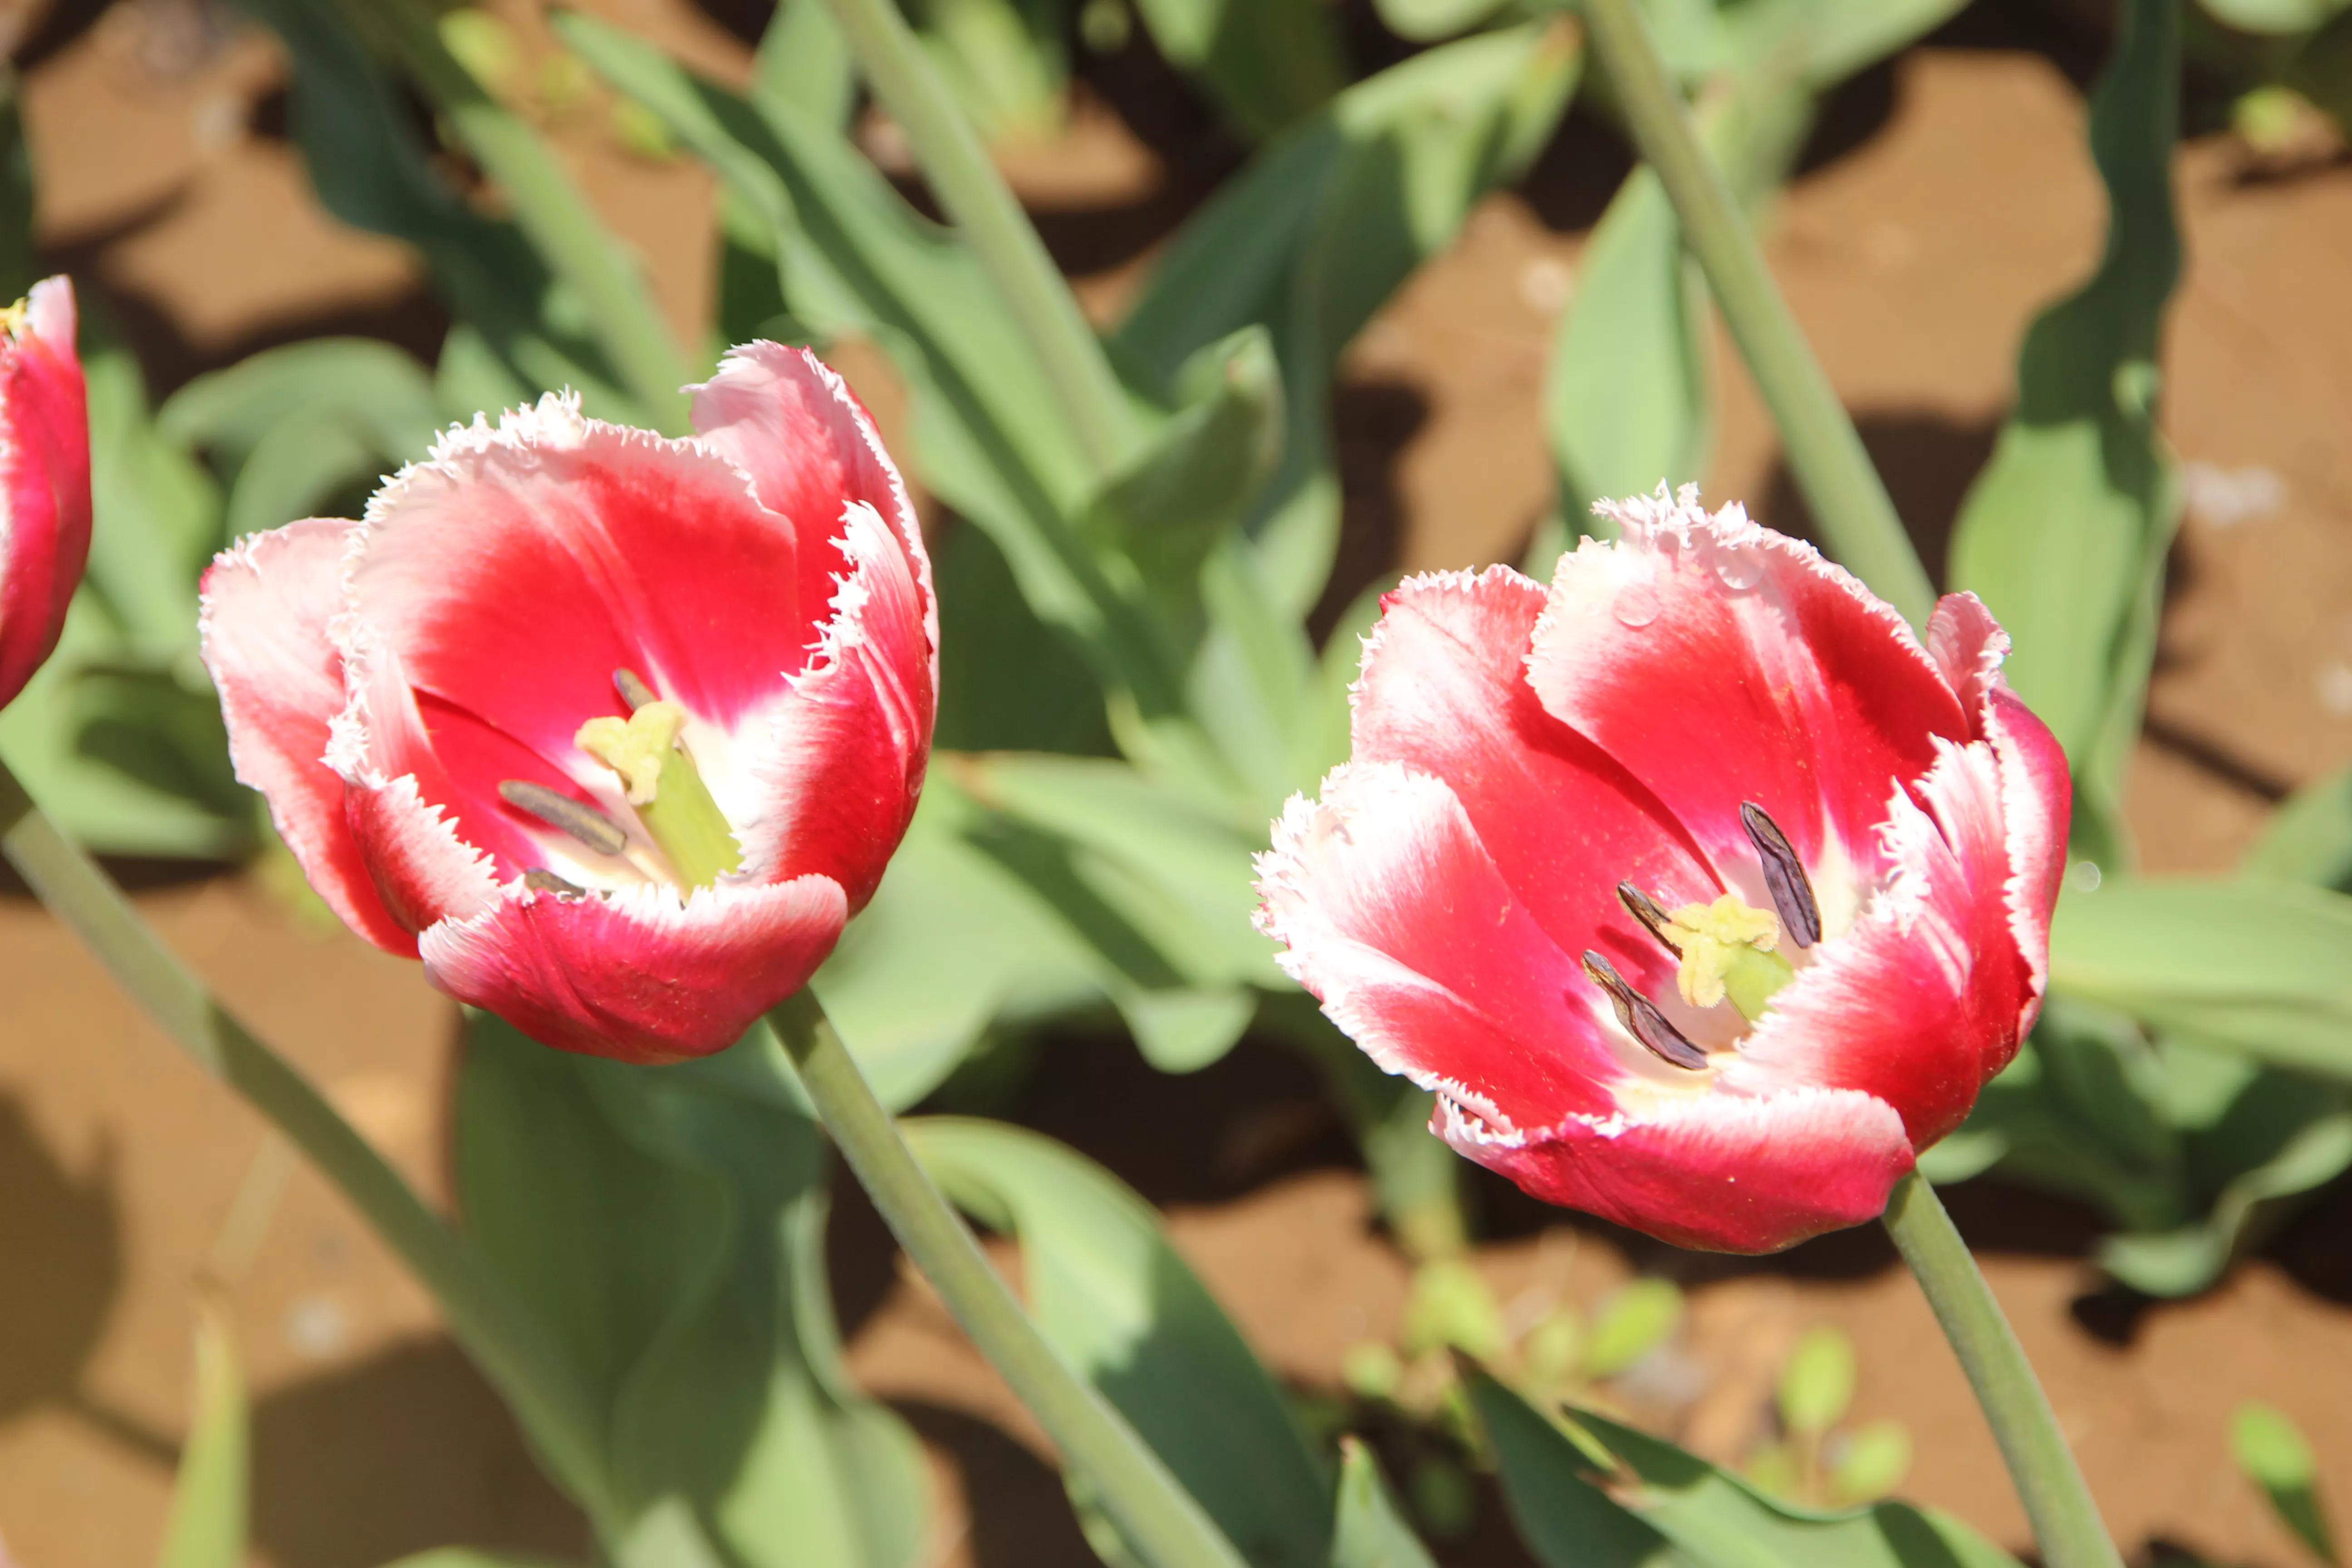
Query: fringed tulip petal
{"points": [[639, 976], [44, 507], [267, 602]]}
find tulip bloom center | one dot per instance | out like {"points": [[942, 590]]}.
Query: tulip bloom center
{"points": [[1727, 951]]}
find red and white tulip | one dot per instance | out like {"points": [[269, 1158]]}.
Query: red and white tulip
{"points": [[1700, 891], [44, 478], [613, 732]]}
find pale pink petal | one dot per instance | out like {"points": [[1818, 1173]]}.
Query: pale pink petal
{"points": [[1918, 1004], [782, 417], [841, 760], [265, 606], [1720, 662], [639, 976], [1717, 1171], [1392, 913], [1445, 692], [45, 504], [515, 570], [1967, 646]]}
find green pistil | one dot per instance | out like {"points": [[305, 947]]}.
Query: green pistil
{"points": [[663, 784]]}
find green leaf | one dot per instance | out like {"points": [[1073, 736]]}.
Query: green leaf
{"points": [[1817, 1385], [667, 1225], [1628, 395], [2065, 534], [804, 61], [1631, 1324], [1007, 63], [382, 393], [1370, 1532], [2258, 967], [206, 1527], [155, 513], [475, 1557], [1427, 21], [2270, 1450], [1120, 1307], [2278, 17], [2309, 837], [1322, 228], [1719, 1520], [1265, 63], [1564, 1518], [1872, 1462]]}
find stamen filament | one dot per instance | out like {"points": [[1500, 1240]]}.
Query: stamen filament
{"points": [[560, 811]]}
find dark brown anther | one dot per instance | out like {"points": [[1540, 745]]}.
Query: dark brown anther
{"points": [[1643, 908], [634, 692], [559, 810], [1784, 876], [539, 879], [1642, 1018]]}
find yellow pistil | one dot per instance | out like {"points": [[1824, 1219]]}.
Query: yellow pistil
{"points": [[669, 795], [13, 318], [1728, 951]]}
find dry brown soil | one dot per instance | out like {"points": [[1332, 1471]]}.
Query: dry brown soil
{"points": [[1952, 197]]}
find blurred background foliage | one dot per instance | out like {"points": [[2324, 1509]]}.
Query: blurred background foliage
{"points": [[1132, 689]]}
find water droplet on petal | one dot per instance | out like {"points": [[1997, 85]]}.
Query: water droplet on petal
{"points": [[1739, 566], [1635, 607]]}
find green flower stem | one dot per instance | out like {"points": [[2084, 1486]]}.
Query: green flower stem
{"points": [[1152, 1511], [549, 208], [1824, 453], [2065, 1521], [976, 197], [513, 1352]]}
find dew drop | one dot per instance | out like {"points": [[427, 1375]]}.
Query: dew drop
{"points": [[1739, 566], [1635, 607]]}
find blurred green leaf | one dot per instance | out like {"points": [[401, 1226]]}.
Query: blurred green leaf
{"points": [[2065, 532], [667, 1227], [1452, 1307], [1370, 1532], [1007, 63], [804, 62], [1566, 1520], [1427, 21], [1320, 231], [2284, 17], [1872, 1462], [2309, 837], [1817, 1385], [475, 1557], [1120, 1307], [2260, 967], [1631, 1324], [1263, 63], [206, 1527], [1717, 1520], [2270, 1450]]}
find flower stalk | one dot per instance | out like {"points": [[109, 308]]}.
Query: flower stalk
{"points": [[1824, 452], [2065, 1520], [515, 1353], [1160, 1520]]}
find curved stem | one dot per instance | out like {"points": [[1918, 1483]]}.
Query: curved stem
{"points": [[975, 195], [1158, 1516], [513, 1352], [1824, 453], [2065, 1521]]}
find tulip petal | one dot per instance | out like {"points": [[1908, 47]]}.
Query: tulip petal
{"points": [[2036, 804], [1917, 1005], [1716, 1172], [639, 976], [841, 760], [782, 417], [1391, 911], [423, 868], [1443, 690], [45, 505], [265, 604], [1720, 662], [513, 572]]}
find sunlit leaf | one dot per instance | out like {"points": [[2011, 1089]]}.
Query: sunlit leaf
{"points": [[206, 1527]]}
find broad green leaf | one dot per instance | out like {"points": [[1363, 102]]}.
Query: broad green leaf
{"points": [[155, 513], [206, 1527], [1566, 1520], [2184, 1261], [1263, 63], [1122, 1309], [667, 1224], [1629, 393], [1007, 63], [2065, 532], [2309, 837], [2281, 17], [1817, 1385], [1718, 1521], [1426, 21], [1816, 44], [386, 397], [2262, 968], [1321, 231], [804, 61], [1370, 1532], [1007, 682], [2270, 1449], [475, 1557]]}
